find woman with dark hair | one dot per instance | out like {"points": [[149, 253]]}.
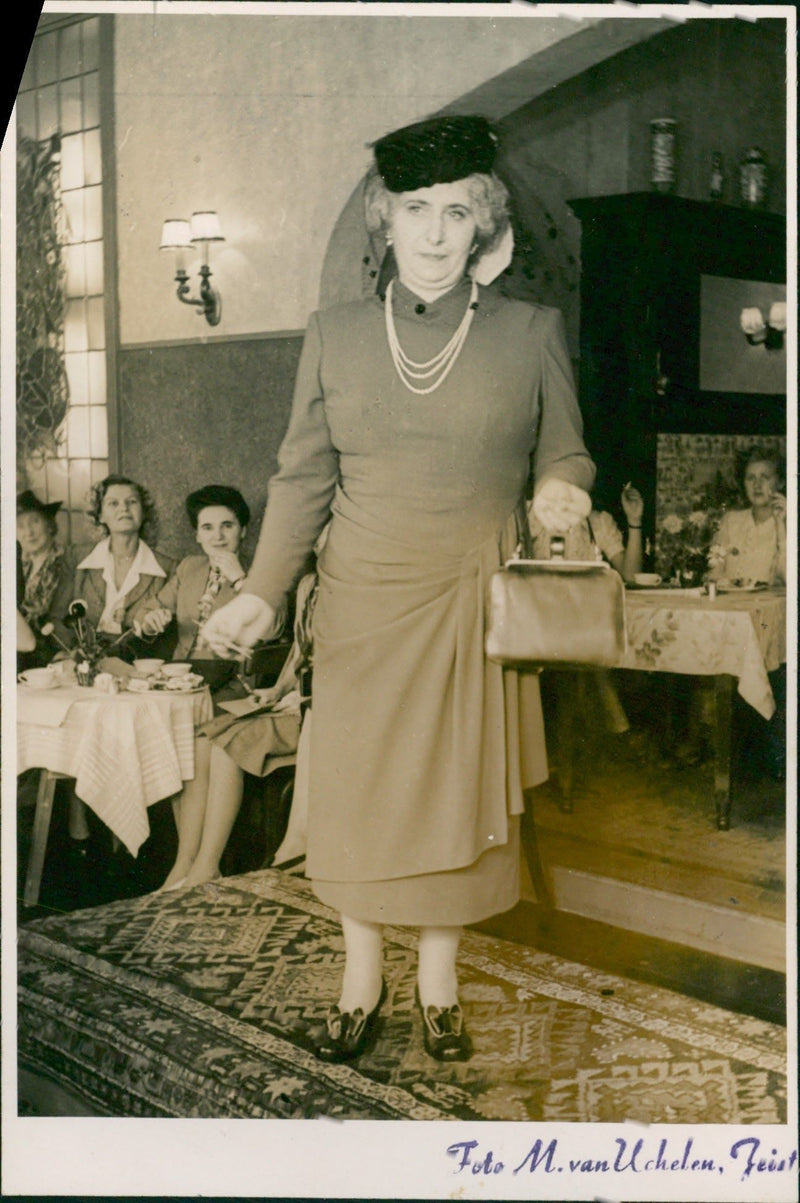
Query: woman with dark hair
{"points": [[210, 801], [41, 569], [750, 545], [202, 583], [119, 574], [415, 416]]}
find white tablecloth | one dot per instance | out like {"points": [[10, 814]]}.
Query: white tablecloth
{"points": [[125, 751], [741, 634]]}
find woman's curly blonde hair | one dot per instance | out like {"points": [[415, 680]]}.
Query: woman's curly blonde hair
{"points": [[149, 528], [490, 206]]}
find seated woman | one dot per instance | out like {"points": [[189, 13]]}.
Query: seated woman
{"points": [[750, 546], [219, 516], [118, 576], [41, 569], [228, 747]]}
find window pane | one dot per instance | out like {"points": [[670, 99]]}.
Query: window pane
{"points": [[94, 268], [29, 74], [48, 111], [74, 259], [57, 479], [97, 323], [99, 470], [78, 431], [70, 50], [72, 161], [72, 203], [98, 430], [26, 115], [92, 167], [91, 43], [97, 377], [71, 109], [47, 63], [79, 483], [77, 365], [93, 214], [91, 100], [76, 337], [37, 479]]}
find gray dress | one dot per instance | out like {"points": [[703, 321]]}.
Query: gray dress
{"points": [[421, 747]]}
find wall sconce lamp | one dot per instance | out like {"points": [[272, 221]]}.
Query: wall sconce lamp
{"points": [[178, 235], [770, 332]]}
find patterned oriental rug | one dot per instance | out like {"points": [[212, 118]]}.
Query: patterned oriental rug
{"points": [[197, 1003]]}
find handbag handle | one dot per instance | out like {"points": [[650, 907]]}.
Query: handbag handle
{"points": [[525, 549]]}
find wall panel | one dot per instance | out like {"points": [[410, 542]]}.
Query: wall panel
{"points": [[205, 413]]}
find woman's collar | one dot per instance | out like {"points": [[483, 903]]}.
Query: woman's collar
{"points": [[406, 301], [144, 561]]}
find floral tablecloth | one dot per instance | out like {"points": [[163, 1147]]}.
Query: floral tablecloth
{"points": [[741, 634], [125, 751]]}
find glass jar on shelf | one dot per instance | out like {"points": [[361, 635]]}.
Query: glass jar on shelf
{"points": [[753, 178]]}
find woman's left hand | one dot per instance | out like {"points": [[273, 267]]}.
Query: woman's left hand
{"points": [[560, 505], [228, 564], [632, 504]]}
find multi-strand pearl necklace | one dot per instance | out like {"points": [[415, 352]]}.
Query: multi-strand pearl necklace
{"points": [[409, 369]]}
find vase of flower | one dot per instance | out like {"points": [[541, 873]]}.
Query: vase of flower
{"points": [[692, 570]]}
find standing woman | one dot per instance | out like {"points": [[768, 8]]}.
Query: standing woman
{"points": [[122, 572], [414, 420]]}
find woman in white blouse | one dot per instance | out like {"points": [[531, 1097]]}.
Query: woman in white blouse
{"points": [[117, 576], [750, 546]]}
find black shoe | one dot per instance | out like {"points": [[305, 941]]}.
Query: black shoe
{"points": [[446, 1038], [348, 1034]]}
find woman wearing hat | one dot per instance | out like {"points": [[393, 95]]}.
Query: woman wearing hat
{"points": [[415, 417], [42, 568]]}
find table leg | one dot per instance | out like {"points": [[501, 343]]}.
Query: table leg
{"points": [[530, 848], [41, 830], [723, 715], [568, 696]]}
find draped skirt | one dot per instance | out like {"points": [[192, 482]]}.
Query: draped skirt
{"points": [[421, 747]]}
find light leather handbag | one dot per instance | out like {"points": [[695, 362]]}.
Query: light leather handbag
{"points": [[556, 611]]}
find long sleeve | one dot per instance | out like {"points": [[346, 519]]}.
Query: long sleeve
{"points": [[65, 593], [560, 450], [300, 494]]}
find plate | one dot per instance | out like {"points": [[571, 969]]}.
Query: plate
{"points": [[758, 588], [54, 684]]}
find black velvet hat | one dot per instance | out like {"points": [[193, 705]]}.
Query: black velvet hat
{"points": [[29, 503], [436, 151]]}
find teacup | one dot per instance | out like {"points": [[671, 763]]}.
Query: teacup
{"points": [[647, 579], [176, 668], [40, 678]]}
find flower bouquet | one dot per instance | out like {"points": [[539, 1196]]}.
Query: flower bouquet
{"points": [[89, 648], [685, 545]]}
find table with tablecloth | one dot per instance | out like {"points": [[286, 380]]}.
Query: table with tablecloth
{"points": [[737, 636], [126, 751]]}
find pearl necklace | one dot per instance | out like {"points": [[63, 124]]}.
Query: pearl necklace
{"points": [[410, 370]]}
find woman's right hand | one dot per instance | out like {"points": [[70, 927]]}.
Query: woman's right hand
{"points": [[153, 623], [238, 626]]}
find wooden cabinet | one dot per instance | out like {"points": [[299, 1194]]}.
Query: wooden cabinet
{"points": [[646, 258]]}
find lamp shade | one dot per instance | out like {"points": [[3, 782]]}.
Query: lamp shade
{"points": [[205, 227], [175, 233]]}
